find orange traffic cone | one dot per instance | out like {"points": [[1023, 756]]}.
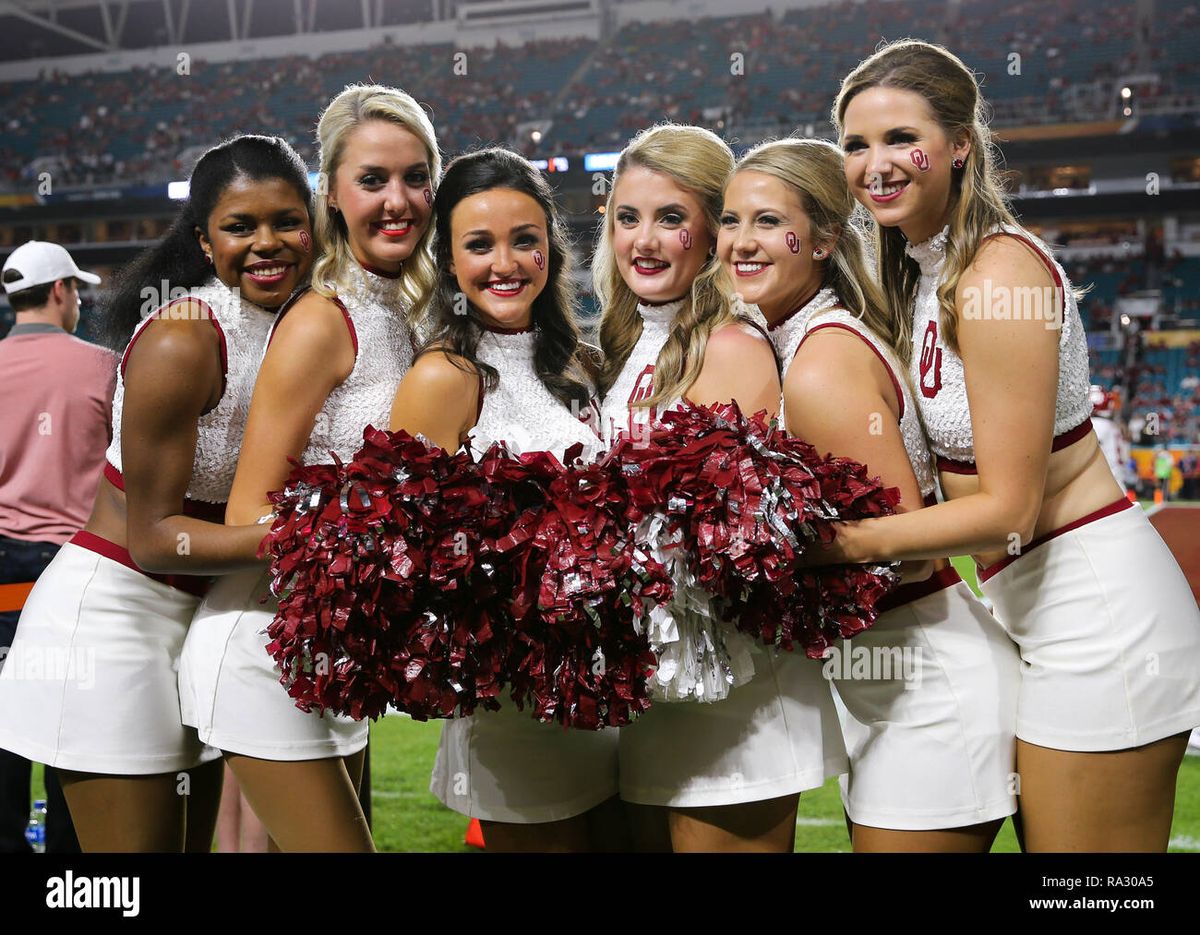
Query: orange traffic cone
{"points": [[1131, 495], [474, 836], [1158, 495]]}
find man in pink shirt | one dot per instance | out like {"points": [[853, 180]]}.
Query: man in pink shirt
{"points": [[57, 393]]}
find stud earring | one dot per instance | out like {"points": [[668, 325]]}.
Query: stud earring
{"points": [[818, 254], [958, 162], [208, 258]]}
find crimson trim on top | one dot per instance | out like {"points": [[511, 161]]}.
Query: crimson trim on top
{"points": [[1064, 440], [208, 314], [886, 366], [1112, 508]]}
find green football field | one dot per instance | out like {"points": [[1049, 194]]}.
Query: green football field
{"points": [[408, 818]]}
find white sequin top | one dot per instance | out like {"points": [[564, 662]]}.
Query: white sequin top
{"points": [[822, 311], [521, 411], [937, 372], [383, 351], [636, 379], [243, 329]]}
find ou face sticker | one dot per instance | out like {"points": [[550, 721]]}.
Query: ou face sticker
{"points": [[539, 259], [685, 238], [428, 196], [920, 159], [305, 241], [792, 241]]}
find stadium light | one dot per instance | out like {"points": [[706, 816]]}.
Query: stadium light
{"points": [[178, 191]]}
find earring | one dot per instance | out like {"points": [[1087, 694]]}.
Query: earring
{"points": [[818, 254], [958, 163], [208, 258]]}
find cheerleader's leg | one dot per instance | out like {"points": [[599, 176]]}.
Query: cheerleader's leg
{"points": [[285, 795], [203, 805], [1118, 801], [971, 839], [767, 826], [126, 814]]}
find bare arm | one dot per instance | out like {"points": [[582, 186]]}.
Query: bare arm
{"points": [[172, 377], [436, 399], [739, 365], [863, 423], [310, 354], [1011, 371]]}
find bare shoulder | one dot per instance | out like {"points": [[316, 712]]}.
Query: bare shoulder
{"points": [[1006, 258], [440, 372], [737, 343]]}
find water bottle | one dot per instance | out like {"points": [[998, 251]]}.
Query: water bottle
{"points": [[35, 831]]}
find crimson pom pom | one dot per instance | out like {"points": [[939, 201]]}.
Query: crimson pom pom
{"points": [[377, 568], [749, 502], [582, 590]]}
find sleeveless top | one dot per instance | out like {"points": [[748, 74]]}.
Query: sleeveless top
{"points": [[636, 379], [520, 411], [373, 306], [700, 657], [242, 328], [822, 311], [937, 371]]}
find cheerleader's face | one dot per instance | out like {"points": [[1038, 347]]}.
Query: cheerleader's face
{"points": [[660, 234], [766, 244], [383, 189], [899, 160], [259, 239], [500, 255]]}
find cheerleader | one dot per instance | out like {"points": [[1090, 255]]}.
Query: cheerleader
{"points": [[1107, 628], [331, 368], [724, 775], [511, 369], [105, 624], [930, 735]]}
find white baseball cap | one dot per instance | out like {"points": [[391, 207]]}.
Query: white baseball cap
{"points": [[40, 262]]}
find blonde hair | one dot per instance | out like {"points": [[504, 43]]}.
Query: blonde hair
{"points": [[354, 106], [698, 160], [814, 170], [978, 203]]}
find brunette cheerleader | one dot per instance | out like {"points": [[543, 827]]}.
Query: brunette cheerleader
{"points": [[1108, 631], [118, 598], [511, 369], [724, 775], [930, 737], [331, 368]]}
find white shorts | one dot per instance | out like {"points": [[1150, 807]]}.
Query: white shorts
{"points": [[90, 682], [776, 735], [928, 703], [1108, 631], [505, 766], [229, 687]]}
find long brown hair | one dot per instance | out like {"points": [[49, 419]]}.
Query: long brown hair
{"points": [[978, 203]]}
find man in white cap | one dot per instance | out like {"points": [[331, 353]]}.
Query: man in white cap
{"points": [[57, 392]]}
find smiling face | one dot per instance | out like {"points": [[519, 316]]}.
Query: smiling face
{"points": [[500, 254], [766, 244], [259, 239], [383, 189], [899, 160], [660, 235]]}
